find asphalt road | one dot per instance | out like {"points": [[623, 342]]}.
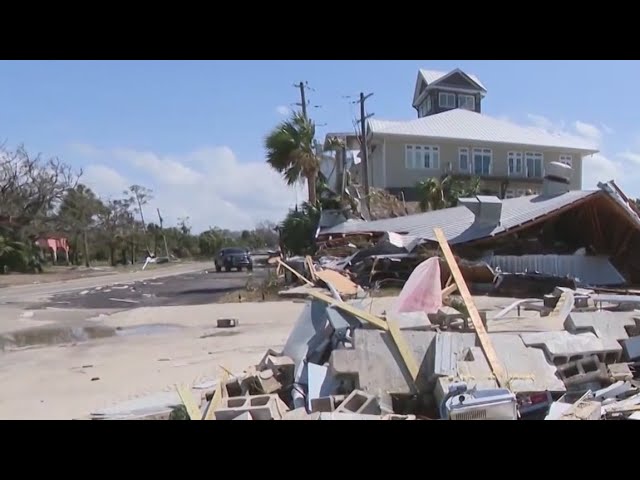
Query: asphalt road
{"points": [[193, 288]]}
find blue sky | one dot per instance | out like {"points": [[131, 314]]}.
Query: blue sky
{"points": [[193, 130]]}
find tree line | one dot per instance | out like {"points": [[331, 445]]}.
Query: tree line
{"points": [[44, 197]]}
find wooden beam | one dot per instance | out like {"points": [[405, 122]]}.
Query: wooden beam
{"points": [[485, 342], [312, 270], [449, 290], [361, 314], [189, 402], [405, 350], [295, 273], [217, 396]]}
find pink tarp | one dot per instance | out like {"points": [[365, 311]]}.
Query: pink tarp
{"points": [[423, 291]]}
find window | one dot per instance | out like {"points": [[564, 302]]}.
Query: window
{"points": [[428, 102], [421, 157], [447, 100], [566, 159], [481, 161], [534, 162], [467, 102], [463, 159], [514, 160]]}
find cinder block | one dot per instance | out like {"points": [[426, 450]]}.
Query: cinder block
{"points": [[326, 404], [360, 402], [632, 348], [620, 371], [261, 407], [244, 416], [585, 371], [227, 322], [301, 414]]}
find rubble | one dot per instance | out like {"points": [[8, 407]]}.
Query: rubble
{"points": [[433, 354]]}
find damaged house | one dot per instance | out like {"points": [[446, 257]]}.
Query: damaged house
{"points": [[592, 236]]}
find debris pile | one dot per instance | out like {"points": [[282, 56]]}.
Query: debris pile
{"points": [[425, 360]]}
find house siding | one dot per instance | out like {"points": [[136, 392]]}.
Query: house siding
{"points": [[398, 176]]}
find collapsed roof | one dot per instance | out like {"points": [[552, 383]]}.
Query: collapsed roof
{"points": [[603, 220]]}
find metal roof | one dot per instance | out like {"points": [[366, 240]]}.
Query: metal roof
{"points": [[431, 76], [458, 223], [461, 124]]}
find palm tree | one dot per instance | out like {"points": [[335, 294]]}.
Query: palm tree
{"points": [[432, 193], [444, 192], [290, 151]]}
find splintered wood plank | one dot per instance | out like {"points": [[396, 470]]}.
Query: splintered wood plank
{"points": [[312, 270], [403, 347], [189, 402], [294, 272], [483, 336], [449, 290], [339, 282], [366, 316], [217, 396]]}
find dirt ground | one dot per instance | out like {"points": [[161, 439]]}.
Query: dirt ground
{"points": [[174, 345], [149, 350]]}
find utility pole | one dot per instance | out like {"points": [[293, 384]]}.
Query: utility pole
{"points": [[303, 98], [164, 237], [363, 143]]}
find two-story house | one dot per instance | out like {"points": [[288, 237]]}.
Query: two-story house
{"points": [[452, 135]]}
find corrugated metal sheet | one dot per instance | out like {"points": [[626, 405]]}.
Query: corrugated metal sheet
{"points": [[458, 223], [460, 124], [588, 270]]}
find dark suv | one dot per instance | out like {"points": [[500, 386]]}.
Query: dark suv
{"points": [[233, 258]]}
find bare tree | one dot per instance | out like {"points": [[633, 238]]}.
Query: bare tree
{"points": [[32, 187]]}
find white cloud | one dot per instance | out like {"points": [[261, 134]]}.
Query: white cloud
{"points": [[103, 180], [588, 131], [632, 157], [283, 110], [600, 167], [209, 185]]}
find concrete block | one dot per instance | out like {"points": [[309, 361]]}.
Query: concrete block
{"points": [[320, 383], [326, 404], [301, 414], [267, 382], [550, 300], [632, 348], [563, 347], [360, 402], [606, 325], [375, 364], [413, 321], [620, 371], [261, 407], [584, 372], [244, 416], [227, 322], [457, 358]]}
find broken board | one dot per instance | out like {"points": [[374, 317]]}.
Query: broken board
{"points": [[485, 341], [339, 282]]}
